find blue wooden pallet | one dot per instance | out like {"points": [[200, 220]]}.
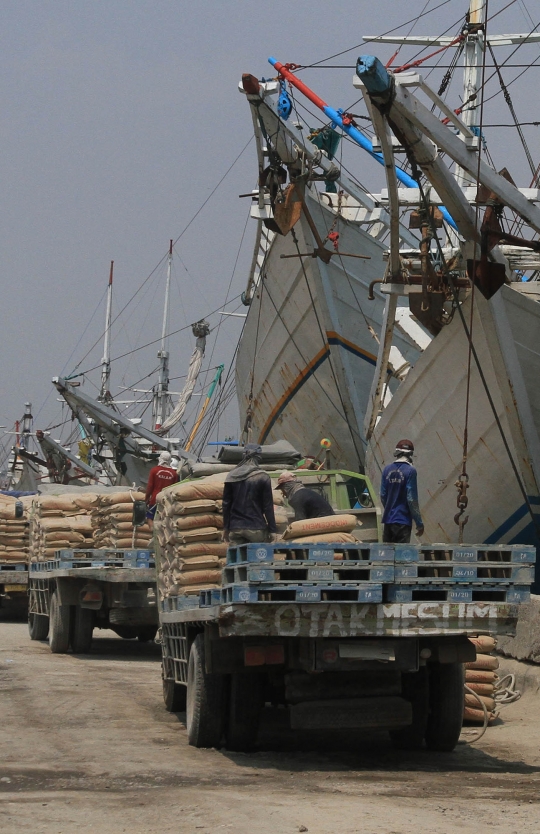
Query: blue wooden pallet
{"points": [[491, 572], [290, 551], [210, 597], [66, 564], [302, 572], [106, 553], [457, 593], [285, 592], [13, 566], [466, 553], [178, 603]]}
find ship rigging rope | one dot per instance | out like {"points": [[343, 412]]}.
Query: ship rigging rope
{"points": [[154, 341], [324, 338], [162, 259], [510, 104], [388, 32]]}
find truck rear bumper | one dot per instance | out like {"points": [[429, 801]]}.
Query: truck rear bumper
{"points": [[352, 714]]}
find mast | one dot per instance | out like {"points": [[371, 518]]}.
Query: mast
{"points": [[472, 70], [104, 393], [161, 396]]}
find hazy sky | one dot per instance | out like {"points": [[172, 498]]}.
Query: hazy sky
{"points": [[118, 119]]}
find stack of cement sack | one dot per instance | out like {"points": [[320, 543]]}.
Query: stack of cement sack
{"points": [[59, 522], [189, 532], [112, 522], [330, 528], [14, 539], [481, 676], [188, 529]]}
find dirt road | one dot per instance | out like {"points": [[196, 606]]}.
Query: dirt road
{"points": [[88, 746]]}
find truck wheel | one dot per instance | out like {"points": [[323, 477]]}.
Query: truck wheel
{"points": [[83, 627], [245, 704], [446, 700], [38, 626], [415, 688], [204, 702], [60, 622], [174, 696], [146, 634]]}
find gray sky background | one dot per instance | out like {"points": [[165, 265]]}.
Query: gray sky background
{"points": [[118, 119]]}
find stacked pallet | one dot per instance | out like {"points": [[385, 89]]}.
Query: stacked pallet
{"points": [[189, 531], [330, 528], [58, 522], [112, 522], [481, 677], [14, 540]]}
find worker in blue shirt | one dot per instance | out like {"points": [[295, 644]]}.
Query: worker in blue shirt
{"points": [[399, 496]]}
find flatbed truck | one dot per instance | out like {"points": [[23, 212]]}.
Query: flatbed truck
{"points": [[299, 627], [80, 590], [13, 587]]}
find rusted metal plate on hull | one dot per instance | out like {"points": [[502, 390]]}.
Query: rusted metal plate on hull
{"points": [[357, 620]]}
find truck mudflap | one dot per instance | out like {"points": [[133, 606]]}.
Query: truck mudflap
{"points": [[343, 619]]}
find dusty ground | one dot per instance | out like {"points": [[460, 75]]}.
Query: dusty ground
{"points": [[87, 746]]}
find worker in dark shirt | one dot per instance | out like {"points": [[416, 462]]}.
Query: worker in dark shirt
{"points": [[248, 507], [120, 453], [161, 476], [306, 503], [399, 496]]}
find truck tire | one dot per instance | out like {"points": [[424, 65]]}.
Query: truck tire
{"points": [[83, 627], [245, 704], [146, 634], [38, 626], [125, 632], [60, 625], [446, 701], [205, 700], [415, 688], [174, 696]]}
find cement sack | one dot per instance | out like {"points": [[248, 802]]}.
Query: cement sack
{"points": [[192, 522], [127, 497], [196, 577], [476, 716], [216, 548], [77, 538], [194, 491], [206, 562], [484, 661], [471, 701], [124, 526], [484, 644], [202, 470], [280, 515], [193, 591], [277, 498], [87, 500], [15, 556], [326, 524], [126, 508], [480, 676], [203, 505], [328, 538], [202, 534], [482, 688], [64, 503]]}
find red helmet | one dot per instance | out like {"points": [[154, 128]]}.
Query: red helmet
{"points": [[406, 446]]}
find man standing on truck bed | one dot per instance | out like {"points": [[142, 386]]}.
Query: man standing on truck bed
{"points": [[248, 507], [306, 503], [161, 476], [399, 496]]}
